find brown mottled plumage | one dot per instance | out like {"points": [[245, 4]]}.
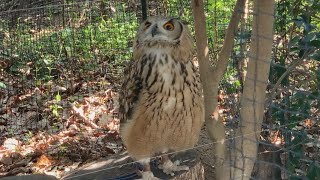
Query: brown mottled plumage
{"points": [[161, 105]]}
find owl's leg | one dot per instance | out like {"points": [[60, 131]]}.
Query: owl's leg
{"points": [[170, 167], [146, 173]]}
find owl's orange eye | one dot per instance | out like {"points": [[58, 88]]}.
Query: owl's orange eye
{"points": [[168, 26], [147, 25]]}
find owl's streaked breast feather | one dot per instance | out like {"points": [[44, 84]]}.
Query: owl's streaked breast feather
{"points": [[129, 92], [151, 68]]}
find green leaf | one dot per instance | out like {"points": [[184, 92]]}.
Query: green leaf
{"points": [[295, 49], [294, 41], [58, 97], [313, 171], [237, 83], [298, 22], [47, 61], [315, 56], [55, 112], [2, 85], [301, 53], [295, 178], [315, 43], [311, 36]]}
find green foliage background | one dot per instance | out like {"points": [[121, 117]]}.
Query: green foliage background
{"points": [[90, 39]]}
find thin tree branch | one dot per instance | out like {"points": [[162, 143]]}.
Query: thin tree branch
{"points": [[289, 69], [206, 72], [276, 86], [224, 55]]}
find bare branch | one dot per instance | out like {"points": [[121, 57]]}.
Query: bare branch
{"points": [[289, 69], [222, 62]]}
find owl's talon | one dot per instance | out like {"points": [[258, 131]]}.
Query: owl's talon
{"points": [[170, 167], [148, 175], [138, 166], [182, 168]]}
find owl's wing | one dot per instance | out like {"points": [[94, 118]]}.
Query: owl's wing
{"points": [[129, 93]]}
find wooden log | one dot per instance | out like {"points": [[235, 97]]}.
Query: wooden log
{"points": [[120, 165], [30, 177]]}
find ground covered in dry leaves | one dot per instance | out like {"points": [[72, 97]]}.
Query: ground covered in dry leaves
{"points": [[55, 127]]}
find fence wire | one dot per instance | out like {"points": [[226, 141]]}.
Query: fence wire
{"points": [[61, 64]]}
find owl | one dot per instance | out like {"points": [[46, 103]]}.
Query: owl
{"points": [[161, 103]]}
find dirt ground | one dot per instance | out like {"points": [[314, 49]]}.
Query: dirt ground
{"points": [[206, 155]]}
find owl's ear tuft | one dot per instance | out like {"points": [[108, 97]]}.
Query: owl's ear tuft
{"points": [[184, 22]]}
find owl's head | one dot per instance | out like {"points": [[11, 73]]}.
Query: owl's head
{"points": [[164, 32]]}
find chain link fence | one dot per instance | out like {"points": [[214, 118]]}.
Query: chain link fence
{"points": [[61, 63]]}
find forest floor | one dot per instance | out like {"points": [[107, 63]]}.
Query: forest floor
{"points": [[57, 127], [54, 129]]}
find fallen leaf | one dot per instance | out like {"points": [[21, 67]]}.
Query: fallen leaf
{"points": [[44, 161], [18, 170], [6, 160], [11, 143], [309, 123], [2, 128]]}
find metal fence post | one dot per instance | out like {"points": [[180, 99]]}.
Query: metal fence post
{"points": [[144, 8]]}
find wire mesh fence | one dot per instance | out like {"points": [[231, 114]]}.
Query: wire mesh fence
{"points": [[61, 64]]}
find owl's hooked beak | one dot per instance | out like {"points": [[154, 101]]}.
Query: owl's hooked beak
{"points": [[154, 30]]}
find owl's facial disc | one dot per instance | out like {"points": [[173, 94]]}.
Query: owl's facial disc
{"points": [[168, 26], [154, 30], [163, 30]]}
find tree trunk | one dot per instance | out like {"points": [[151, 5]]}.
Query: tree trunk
{"points": [[264, 169], [243, 61], [211, 76], [253, 98]]}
